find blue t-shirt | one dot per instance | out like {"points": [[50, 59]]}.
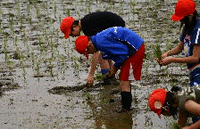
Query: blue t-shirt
{"points": [[117, 44], [191, 40]]}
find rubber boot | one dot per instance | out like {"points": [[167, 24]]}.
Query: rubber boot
{"points": [[126, 100]]}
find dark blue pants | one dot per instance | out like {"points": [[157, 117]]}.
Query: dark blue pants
{"points": [[195, 80], [195, 76]]}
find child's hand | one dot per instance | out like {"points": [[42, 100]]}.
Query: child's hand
{"points": [[159, 60], [90, 79], [166, 60], [163, 55], [112, 72]]}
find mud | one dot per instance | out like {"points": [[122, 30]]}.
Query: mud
{"points": [[42, 78]]}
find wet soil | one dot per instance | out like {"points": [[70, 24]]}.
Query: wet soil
{"points": [[42, 78]]}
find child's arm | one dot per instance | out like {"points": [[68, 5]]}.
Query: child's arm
{"points": [[193, 108], [90, 78], [190, 59], [174, 51], [196, 125], [182, 119]]}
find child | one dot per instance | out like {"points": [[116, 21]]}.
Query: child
{"points": [[125, 48], [91, 24], [168, 103], [186, 13]]}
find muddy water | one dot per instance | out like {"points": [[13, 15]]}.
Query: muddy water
{"points": [[42, 78]]}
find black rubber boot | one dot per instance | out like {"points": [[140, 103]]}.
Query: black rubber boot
{"points": [[126, 100]]}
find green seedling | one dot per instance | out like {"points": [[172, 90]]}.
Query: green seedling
{"points": [[99, 77], [68, 12], [28, 8], [176, 126], [38, 12], [30, 19], [37, 69], [22, 64], [157, 51]]}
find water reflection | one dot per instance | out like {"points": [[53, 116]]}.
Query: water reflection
{"points": [[105, 104], [106, 109]]}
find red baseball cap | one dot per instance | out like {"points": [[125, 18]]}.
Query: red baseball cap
{"points": [[157, 99], [183, 8], [81, 44], [65, 26]]}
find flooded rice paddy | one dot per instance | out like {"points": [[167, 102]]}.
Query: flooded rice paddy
{"points": [[42, 77]]}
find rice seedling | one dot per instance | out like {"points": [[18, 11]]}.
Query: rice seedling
{"points": [[175, 125], [55, 9], [76, 63], [60, 19], [66, 48], [29, 13], [42, 46], [11, 24], [28, 8], [38, 12], [37, 68], [15, 41], [18, 55], [6, 52], [44, 5], [50, 66], [57, 31], [1, 13], [88, 6], [5, 47], [68, 12], [88, 96], [157, 51], [32, 56], [52, 46], [30, 19], [18, 10], [23, 66], [99, 77], [146, 69]]}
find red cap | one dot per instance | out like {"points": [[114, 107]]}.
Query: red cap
{"points": [[183, 8], [157, 99], [65, 26], [81, 44]]}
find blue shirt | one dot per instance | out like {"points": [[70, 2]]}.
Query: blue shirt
{"points": [[117, 44], [191, 40]]}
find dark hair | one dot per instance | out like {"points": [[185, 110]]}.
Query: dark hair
{"points": [[76, 22], [189, 25], [176, 89], [170, 103]]}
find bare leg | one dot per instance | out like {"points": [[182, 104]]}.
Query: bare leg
{"points": [[125, 86]]}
